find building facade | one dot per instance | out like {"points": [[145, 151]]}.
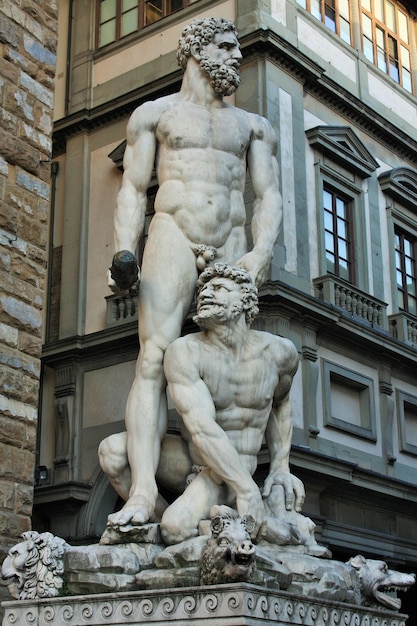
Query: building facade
{"points": [[338, 81], [27, 69]]}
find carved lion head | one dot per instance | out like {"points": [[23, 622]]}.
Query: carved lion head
{"points": [[35, 566]]}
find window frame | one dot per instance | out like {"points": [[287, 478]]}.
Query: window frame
{"points": [[399, 187], [350, 275], [306, 5], [404, 398], [404, 233], [366, 389], [327, 177], [141, 6], [388, 34]]}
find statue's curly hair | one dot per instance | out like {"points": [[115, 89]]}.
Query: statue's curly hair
{"points": [[200, 33], [249, 293]]}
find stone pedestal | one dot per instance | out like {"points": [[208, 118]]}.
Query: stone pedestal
{"points": [[221, 605]]}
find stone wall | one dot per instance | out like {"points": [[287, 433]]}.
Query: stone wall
{"points": [[28, 38]]}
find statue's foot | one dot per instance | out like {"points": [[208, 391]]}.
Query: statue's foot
{"points": [[137, 510]]}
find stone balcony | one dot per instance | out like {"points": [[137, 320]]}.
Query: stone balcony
{"points": [[403, 326], [121, 309], [352, 301]]}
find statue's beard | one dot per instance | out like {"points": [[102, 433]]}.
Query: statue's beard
{"points": [[224, 77], [218, 314]]}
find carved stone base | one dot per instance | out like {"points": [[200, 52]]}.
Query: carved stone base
{"points": [[222, 605]]}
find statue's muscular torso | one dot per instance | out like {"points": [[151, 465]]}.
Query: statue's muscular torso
{"points": [[201, 168], [243, 388]]}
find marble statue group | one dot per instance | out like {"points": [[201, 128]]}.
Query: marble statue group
{"points": [[230, 384], [202, 148]]}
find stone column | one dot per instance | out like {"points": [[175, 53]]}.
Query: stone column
{"points": [[27, 68]]}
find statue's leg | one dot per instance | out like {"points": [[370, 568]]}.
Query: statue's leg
{"points": [[180, 520], [166, 290]]}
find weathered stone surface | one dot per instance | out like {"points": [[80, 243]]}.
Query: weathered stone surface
{"points": [[222, 606], [28, 36], [148, 533]]}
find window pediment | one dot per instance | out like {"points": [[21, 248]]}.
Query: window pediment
{"points": [[400, 184], [342, 145], [117, 155]]}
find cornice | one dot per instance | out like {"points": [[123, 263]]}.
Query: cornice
{"points": [[268, 45]]}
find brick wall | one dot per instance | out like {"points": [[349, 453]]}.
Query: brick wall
{"points": [[28, 37]]}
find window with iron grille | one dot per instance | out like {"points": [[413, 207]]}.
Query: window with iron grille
{"points": [[386, 39], [337, 219], [119, 18], [335, 14], [405, 271]]}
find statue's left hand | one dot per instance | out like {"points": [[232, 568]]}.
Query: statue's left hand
{"points": [[257, 265], [293, 489]]}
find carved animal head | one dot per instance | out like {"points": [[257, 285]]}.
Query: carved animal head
{"points": [[378, 582], [230, 553], [34, 567]]}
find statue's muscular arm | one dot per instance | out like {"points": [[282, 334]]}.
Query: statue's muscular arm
{"points": [[192, 399], [138, 165], [267, 211], [279, 428]]}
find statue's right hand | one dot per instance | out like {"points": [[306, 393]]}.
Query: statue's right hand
{"points": [[123, 273]]}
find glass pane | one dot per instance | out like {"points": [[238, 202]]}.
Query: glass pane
{"points": [[401, 300], [107, 10], [412, 306], [367, 26], [129, 22], [366, 5], [342, 228], [343, 249], [344, 8], [344, 30], [303, 3], [316, 9], [378, 9], [403, 26], [399, 278], [327, 200], [394, 71], [340, 208], [408, 249], [329, 242], [380, 39], [153, 11], [407, 80], [397, 240], [409, 268], [368, 49], [390, 16], [330, 262], [330, 18], [405, 58], [107, 33], [129, 4], [328, 221], [174, 5], [381, 60], [343, 265]]}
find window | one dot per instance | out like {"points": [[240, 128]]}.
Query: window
{"points": [[405, 271], [348, 401], [337, 217], [407, 420], [118, 18], [333, 13], [385, 39]]}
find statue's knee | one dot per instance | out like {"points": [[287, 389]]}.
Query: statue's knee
{"points": [[175, 528], [151, 360]]}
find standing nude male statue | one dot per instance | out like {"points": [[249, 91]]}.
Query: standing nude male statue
{"points": [[202, 147]]}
